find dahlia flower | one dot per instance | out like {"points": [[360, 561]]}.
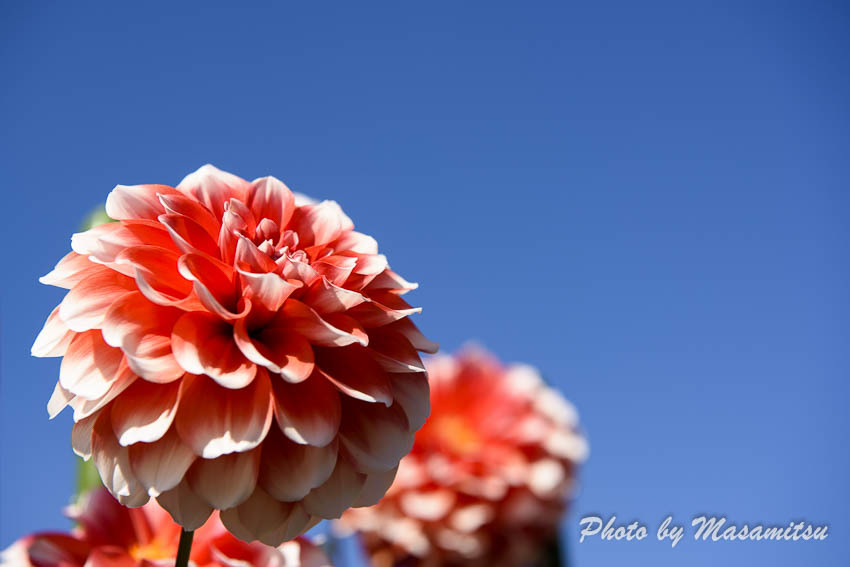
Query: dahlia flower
{"points": [[489, 476], [230, 346], [109, 535]]}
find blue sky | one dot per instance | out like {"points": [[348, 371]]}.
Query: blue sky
{"points": [[648, 201]]}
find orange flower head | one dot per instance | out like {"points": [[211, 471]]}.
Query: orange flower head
{"points": [[111, 535], [489, 476], [231, 346]]}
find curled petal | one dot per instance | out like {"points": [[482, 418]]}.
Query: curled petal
{"points": [[86, 304], [123, 378], [356, 242], [113, 464], [315, 423], [81, 436], [335, 269], [203, 344], [325, 297], [214, 284], [189, 235], [320, 223], [136, 201], [70, 271], [353, 370], [269, 198], [178, 204], [143, 331], [406, 328], [226, 481], [158, 266], [383, 309], [280, 351], [54, 338], [104, 242], [227, 421], [89, 366], [300, 318], [213, 187], [59, 400], [144, 411], [394, 352], [251, 258], [292, 269], [388, 280], [268, 290]]}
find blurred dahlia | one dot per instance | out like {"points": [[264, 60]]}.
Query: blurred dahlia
{"points": [[230, 346], [109, 535], [489, 476]]}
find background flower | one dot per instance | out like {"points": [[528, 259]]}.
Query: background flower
{"points": [[230, 346], [110, 535], [489, 476]]}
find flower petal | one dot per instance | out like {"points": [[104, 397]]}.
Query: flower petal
{"points": [[81, 436], [320, 223], [189, 236], [70, 270], [412, 393], [325, 297], [161, 465], [54, 338], [214, 284], [86, 304], [123, 378], [269, 198], [227, 421], [288, 471], [375, 488], [59, 400], [301, 318], [186, 508], [375, 436], [307, 412], [226, 481], [144, 411], [143, 331], [213, 188], [90, 365], [353, 370], [263, 518], [280, 351], [338, 493], [178, 204], [113, 464], [136, 201], [203, 344]]}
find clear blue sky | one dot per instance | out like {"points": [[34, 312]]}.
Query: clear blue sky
{"points": [[649, 201]]}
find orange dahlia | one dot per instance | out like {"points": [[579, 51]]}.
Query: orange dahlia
{"points": [[230, 346], [109, 535], [489, 476]]}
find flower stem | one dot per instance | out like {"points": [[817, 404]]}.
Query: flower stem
{"points": [[183, 548]]}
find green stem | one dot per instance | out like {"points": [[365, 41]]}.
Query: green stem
{"points": [[184, 548]]}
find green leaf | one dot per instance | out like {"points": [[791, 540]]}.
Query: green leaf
{"points": [[96, 217], [87, 478]]}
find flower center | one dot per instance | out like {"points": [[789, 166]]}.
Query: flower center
{"points": [[456, 434], [153, 551]]}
